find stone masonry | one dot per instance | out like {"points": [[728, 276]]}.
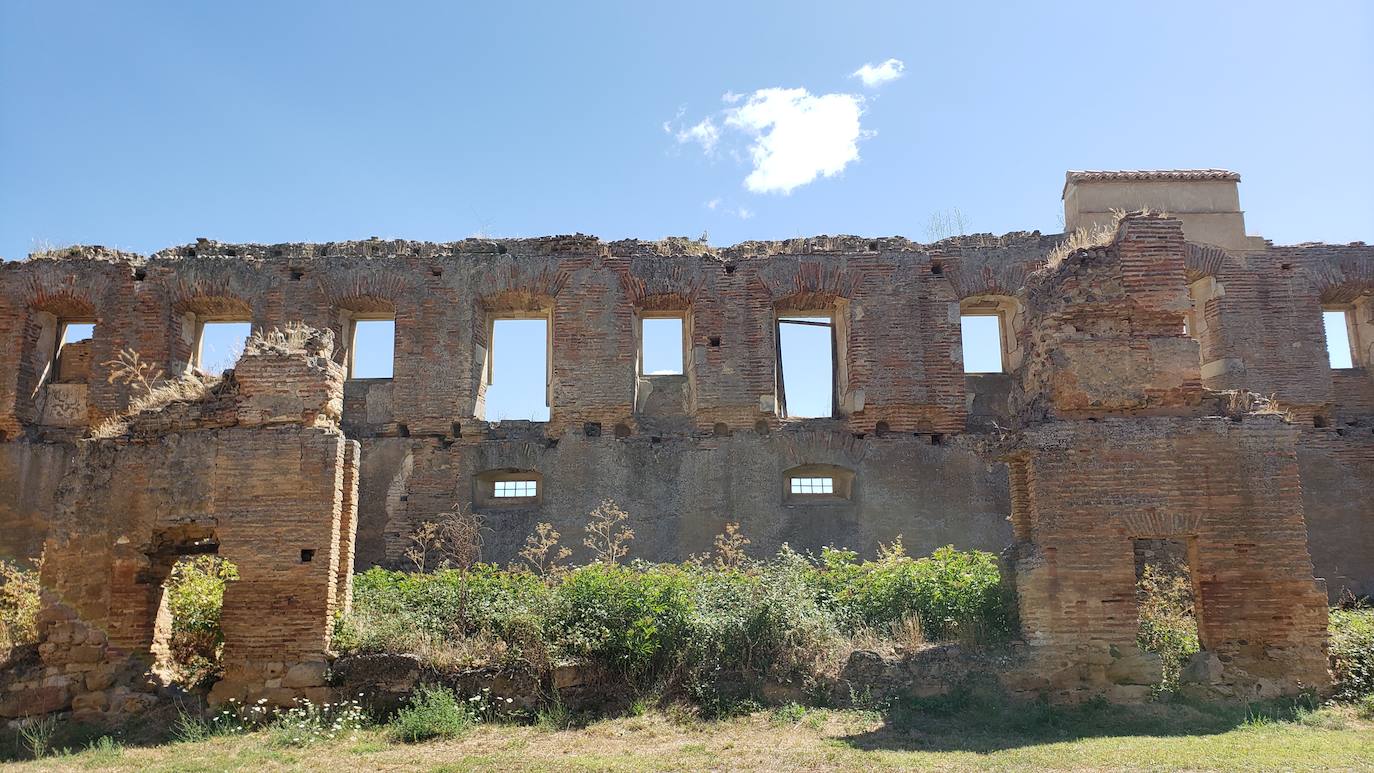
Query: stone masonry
{"points": [[1167, 381]]}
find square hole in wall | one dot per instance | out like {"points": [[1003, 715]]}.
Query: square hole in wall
{"points": [[1338, 341], [982, 339], [372, 353], [220, 344], [807, 366], [661, 350], [518, 370]]}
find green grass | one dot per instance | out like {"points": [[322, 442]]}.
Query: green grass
{"points": [[961, 733]]}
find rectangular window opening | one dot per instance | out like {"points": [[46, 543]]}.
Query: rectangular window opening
{"points": [[515, 488], [806, 353], [221, 344], [1166, 604], [518, 370], [1338, 342], [71, 359], [813, 485], [373, 351], [76, 332], [662, 346], [982, 337]]}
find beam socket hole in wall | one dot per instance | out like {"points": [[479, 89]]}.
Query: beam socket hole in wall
{"points": [[1166, 603], [662, 345], [622, 430], [730, 269], [297, 275], [372, 348], [806, 366], [713, 342], [937, 268], [720, 429], [518, 363], [591, 429], [307, 555], [219, 344], [1340, 344], [140, 274]]}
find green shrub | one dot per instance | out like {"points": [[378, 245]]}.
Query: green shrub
{"points": [[434, 712], [691, 624], [1168, 626], [1352, 652], [954, 594], [195, 597], [19, 604], [636, 620]]}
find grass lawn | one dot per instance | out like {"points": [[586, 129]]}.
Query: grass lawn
{"points": [[1156, 737]]}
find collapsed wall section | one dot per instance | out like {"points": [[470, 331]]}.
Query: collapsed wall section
{"points": [[255, 471]]}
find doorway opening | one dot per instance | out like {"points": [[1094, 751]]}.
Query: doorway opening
{"points": [[1166, 604]]}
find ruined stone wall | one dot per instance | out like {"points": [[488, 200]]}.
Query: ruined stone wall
{"points": [[254, 470], [904, 407]]}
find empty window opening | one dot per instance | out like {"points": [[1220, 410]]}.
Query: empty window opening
{"points": [[1339, 344], [518, 370], [806, 379], [982, 336], [220, 344], [662, 346], [824, 485], [188, 643], [516, 488], [72, 360], [372, 352], [1166, 604]]}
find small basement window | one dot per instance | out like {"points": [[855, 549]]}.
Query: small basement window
{"points": [[662, 346], [507, 488], [818, 483], [516, 488], [982, 337], [1340, 345], [806, 366], [219, 344], [372, 351]]}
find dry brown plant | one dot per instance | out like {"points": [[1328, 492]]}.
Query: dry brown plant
{"points": [[454, 541], [606, 537], [730, 548], [543, 554]]}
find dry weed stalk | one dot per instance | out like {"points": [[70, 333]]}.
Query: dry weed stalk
{"points": [[730, 548], [453, 542], [607, 539], [543, 553], [1099, 235]]}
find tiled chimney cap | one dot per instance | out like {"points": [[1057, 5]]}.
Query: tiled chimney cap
{"points": [[1147, 175]]}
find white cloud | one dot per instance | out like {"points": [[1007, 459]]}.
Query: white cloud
{"points": [[744, 213], [705, 133], [875, 75], [797, 136], [731, 97], [713, 203]]}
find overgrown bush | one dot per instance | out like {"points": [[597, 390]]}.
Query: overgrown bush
{"points": [[1352, 653], [195, 598], [1168, 626], [433, 712], [694, 624], [953, 593], [19, 604]]}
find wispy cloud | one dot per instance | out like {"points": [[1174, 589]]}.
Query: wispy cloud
{"points": [[719, 204], [875, 75], [704, 133]]}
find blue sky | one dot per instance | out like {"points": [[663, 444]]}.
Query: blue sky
{"points": [[146, 124]]}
